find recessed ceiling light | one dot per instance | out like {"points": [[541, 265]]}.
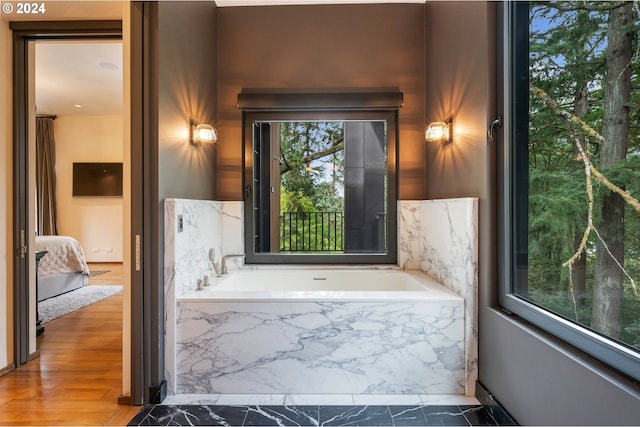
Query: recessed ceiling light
{"points": [[78, 106]]}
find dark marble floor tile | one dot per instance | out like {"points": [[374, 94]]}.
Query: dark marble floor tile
{"points": [[135, 421], [154, 415], [437, 415], [311, 415], [478, 415], [210, 415], [500, 415], [282, 416], [355, 416], [222, 415], [407, 415]]}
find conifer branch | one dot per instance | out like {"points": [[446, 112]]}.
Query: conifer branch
{"points": [[577, 125], [314, 156], [611, 186], [585, 236], [593, 7], [571, 119]]}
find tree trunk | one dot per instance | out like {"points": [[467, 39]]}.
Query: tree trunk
{"points": [[608, 290]]}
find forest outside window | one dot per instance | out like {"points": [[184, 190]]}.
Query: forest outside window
{"points": [[574, 156]]}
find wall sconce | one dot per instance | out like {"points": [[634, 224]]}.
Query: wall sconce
{"points": [[203, 133], [439, 131]]}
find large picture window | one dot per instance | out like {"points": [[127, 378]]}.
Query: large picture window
{"points": [[572, 150]]}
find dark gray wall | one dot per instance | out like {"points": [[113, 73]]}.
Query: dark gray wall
{"points": [[187, 90], [537, 378], [322, 47]]}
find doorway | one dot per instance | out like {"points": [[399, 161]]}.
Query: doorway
{"points": [[25, 35], [143, 366], [78, 93]]}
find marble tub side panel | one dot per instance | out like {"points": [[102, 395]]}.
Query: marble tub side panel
{"points": [[321, 347], [409, 234], [449, 254], [170, 227], [185, 260], [201, 232]]}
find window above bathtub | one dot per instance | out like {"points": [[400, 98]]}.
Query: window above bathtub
{"points": [[320, 176]]}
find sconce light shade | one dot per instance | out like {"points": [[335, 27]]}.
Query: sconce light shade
{"points": [[439, 131], [203, 133]]}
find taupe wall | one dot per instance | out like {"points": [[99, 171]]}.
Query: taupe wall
{"points": [[458, 76], [320, 47]]}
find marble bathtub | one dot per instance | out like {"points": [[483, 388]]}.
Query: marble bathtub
{"points": [[321, 331]]}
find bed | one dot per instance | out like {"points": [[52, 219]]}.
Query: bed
{"points": [[63, 268]]}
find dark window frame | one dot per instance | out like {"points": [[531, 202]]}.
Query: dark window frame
{"points": [[359, 106], [513, 72]]}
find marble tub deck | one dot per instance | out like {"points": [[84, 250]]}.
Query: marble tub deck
{"points": [[320, 410]]}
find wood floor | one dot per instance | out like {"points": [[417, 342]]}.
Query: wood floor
{"points": [[77, 378]]}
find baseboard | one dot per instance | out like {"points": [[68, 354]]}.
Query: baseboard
{"points": [[499, 414], [157, 393], [7, 369], [34, 355], [124, 399]]}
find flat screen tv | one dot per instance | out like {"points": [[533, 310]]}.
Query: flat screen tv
{"points": [[97, 180]]}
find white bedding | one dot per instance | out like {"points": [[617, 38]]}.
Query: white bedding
{"points": [[65, 255]]}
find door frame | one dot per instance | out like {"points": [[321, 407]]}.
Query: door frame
{"points": [[23, 33]]}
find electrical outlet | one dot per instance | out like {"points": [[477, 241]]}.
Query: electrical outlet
{"points": [[108, 250], [95, 250], [180, 224]]}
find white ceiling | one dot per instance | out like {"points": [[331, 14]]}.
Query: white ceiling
{"points": [[78, 78], [89, 74]]}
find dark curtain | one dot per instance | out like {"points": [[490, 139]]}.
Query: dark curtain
{"points": [[46, 176]]}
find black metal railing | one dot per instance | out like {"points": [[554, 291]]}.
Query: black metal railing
{"points": [[312, 232]]}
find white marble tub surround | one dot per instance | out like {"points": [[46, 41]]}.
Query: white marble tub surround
{"points": [[449, 254], [438, 237], [327, 342], [206, 224]]}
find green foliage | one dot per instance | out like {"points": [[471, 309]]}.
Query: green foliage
{"points": [[312, 186], [322, 179], [295, 201], [567, 60], [557, 211]]}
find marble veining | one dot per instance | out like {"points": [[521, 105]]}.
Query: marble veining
{"points": [[409, 234], [449, 254], [321, 347], [205, 225]]}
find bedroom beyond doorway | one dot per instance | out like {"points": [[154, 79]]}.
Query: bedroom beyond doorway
{"points": [[112, 276]]}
